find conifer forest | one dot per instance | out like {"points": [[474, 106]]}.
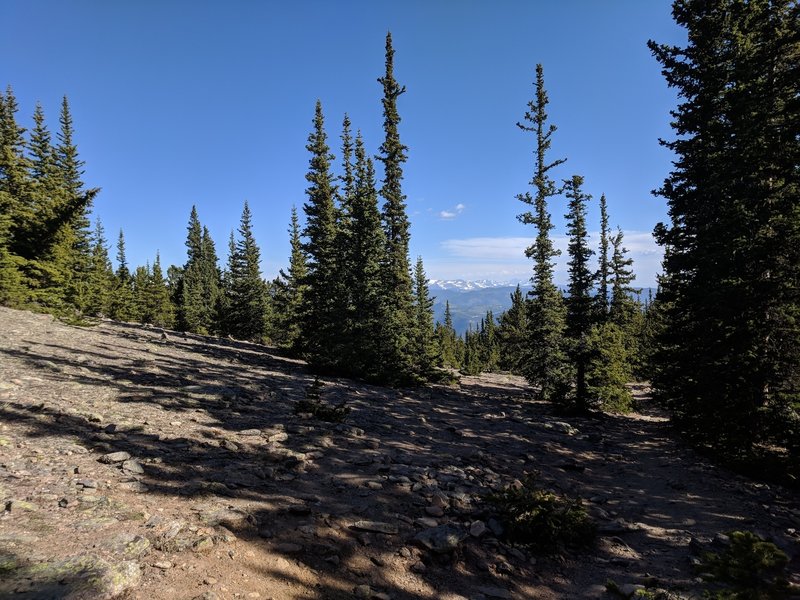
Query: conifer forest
{"points": [[718, 342]]}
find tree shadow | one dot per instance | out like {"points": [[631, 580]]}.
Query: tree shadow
{"points": [[212, 421]]}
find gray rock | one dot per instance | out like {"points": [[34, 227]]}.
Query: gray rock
{"points": [[434, 511], [496, 527], [163, 565], [495, 592], [426, 522], [87, 483], [132, 467], [137, 487], [375, 527], [363, 591], [477, 529], [442, 539], [250, 432], [288, 548], [114, 457]]}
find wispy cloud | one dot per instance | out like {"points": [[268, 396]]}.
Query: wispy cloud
{"points": [[452, 213], [502, 258]]}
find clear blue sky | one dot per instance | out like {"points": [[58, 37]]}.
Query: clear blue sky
{"points": [[210, 103]]}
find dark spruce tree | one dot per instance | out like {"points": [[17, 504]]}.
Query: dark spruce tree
{"points": [[424, 347], [512, 333], [247, 303], [397, 285], [729, 365], [159, 309], [580, 309], [289, 288], [450, 345], [191, 304], [546, 365], [319, 339], [367, 254], [603, 262], [101, 280], [122, 294]]}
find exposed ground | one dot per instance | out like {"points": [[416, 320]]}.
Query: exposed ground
{"points": [[227, 494]]}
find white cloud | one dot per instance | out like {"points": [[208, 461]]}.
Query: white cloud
{"points": [[503, 258], [452, 213]]}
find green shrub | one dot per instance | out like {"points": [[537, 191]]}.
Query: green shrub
{"points": [[752, 568], [544, 521]]}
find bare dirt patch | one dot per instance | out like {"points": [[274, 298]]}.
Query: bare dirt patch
{"points": [[170, 467]]}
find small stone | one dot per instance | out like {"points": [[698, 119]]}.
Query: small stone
{"points": [[426, 522], [210, 581], [375, 526], [137, 487], [63, 503], [114, 457], [517, 553], [87, 483], [374, 485], [404, 552], [495, 592], [17, 505], [442, 539], [288, 548], [175, 423], [250, 432], [381, 596], [477, 529], [265, 533], [204, 544], [132, 467], [496, 527], [434, 511], [253, 595], [363, 591], [419, 567], [629, 589], [163, 565]]}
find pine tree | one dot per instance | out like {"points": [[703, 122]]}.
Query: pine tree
{"points": [[319, 331], [580, 313], [424, 348], [604, 267], [490, 344], [211, 278], [622, 306], [122, 295], [192, 314], [512, 334], [449, 342], [159, 310], [101, 281], [140, 288], [248, 291], [366, 265], [289, 290], [608, 367], [546, 365], [729, 365], [397, 284]]}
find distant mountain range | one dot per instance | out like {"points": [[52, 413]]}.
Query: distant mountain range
{"points": [[469, 300]]}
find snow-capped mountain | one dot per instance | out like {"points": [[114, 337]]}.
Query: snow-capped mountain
{"points": [[466, 286]]}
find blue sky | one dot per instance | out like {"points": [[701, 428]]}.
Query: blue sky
{"points": [[210, 103]]}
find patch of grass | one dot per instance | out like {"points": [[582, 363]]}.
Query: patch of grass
{"points": [[543, 521], [750, 568]]}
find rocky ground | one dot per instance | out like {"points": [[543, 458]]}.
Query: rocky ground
{"points": [[146, 465]]}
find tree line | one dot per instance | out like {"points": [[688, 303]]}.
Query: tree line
{"points": [[720, 341]]}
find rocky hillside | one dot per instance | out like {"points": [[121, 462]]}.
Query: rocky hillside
{"points": [[146, 464]]}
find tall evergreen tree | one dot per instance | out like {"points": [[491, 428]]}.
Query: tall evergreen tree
{"points": [[622, 305], [603, 260], [546, 363], [101, 275], [366, 258], [319, 331], [449, 343], [248, 291], [159, 310], [580, 313], [289, 290], [730, 359], [398, 327], [122, 296], [424, 348], [512, 333]]}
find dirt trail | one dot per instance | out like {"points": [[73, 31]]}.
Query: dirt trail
{"points": [[222, 492]]}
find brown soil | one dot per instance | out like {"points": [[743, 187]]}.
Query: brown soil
{"points": [[240, 498]]}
